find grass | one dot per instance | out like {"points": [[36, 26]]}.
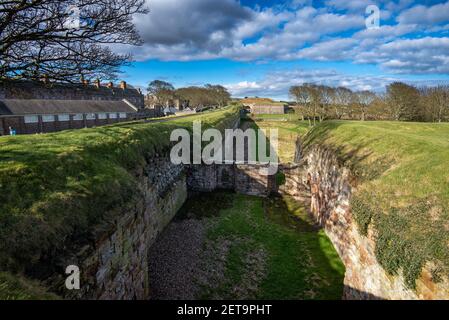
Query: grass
{"points": [[300, 261], [289, 128], [13, 287], [403, 189], [59, 188]]}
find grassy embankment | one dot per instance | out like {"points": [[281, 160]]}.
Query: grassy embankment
{"points": [[273, 249], [403, 190], [289, 128], [56, 188]]}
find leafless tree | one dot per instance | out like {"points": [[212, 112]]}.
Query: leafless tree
{"points": [[403, 101], [220, 94], [300, 95], [342, 101], [65, 40], [210, 95], [363, 99], [435, 100]]}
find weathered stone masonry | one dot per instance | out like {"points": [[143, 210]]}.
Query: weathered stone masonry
{"points": [[117, 266], [331, 185], [241, 178]]}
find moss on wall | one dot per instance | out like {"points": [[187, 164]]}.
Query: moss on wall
{"points": [[55, 188]]}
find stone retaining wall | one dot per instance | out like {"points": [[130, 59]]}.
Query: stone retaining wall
{"points": [[330, 187], [241, 178], [116, 265]]}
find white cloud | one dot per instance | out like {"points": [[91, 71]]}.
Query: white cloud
{"points": [[353, 5], [337, 49], [425, 15], [411, 56], [276, 84], [208, 29]]}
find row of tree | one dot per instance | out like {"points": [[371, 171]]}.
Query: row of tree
{"points": [[400, 102], [66, 40], [209, 95]]}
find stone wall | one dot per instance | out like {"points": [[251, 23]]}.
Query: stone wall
{"points": [[330, 186], [241, 178], [116, 265]]}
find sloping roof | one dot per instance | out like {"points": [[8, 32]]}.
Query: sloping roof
{"points": [[268, 106], [34, 87], [34, 106]]}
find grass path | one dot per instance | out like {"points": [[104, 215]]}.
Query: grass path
{"points": [[255, 248]]}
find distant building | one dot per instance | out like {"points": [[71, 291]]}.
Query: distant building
{"points": [[267, 108], [258, 105], [34, 107], [167, 107]]}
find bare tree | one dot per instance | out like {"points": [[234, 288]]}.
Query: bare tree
{"points": [[342, 101], [220, 94], [316, 98], [300, 95], [210, 95], [327, 98], [163, 91], [403, 101], [436, 102], [363, 100], [65, 40]]}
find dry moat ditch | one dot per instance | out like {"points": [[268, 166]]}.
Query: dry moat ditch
{"points": [[224, 245]]}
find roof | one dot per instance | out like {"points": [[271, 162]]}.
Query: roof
{"points": [[267, 105], [38, 106], [32, 88]]}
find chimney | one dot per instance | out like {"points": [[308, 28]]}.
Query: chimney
{"points": [[123, 85], [110, 85], [97, 83]]}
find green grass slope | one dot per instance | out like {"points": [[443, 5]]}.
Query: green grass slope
{"points": [[56, 187], [403, 189]]}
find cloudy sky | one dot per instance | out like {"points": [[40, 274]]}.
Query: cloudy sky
{"points": [[262, 47]]}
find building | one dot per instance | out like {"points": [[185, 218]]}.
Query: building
{"points": [[258, 105], [167, 107], [30, 107], [267, 108]]}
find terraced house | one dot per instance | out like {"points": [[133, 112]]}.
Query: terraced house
{"points": [[30, 107]]}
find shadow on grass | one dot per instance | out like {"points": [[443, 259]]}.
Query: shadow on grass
{"points": [[354, 157]]}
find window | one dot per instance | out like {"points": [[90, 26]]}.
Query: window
{"points": [[48, 118], [90, 116], [31, 119], [78, 117], [102, 116], [64, 117], [113, 116], [122, 115]]}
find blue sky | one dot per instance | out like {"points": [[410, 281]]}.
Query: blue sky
{"points": [[263, 47]]}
